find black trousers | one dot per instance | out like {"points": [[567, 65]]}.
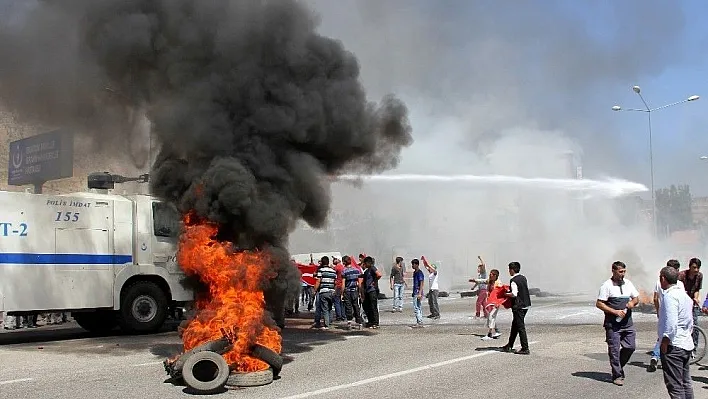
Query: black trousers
{"points": [[518, 327], [676, 374], [351, 306], [371, 308]]}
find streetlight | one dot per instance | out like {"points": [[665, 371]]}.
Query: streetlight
{"points": [[649, 110]]}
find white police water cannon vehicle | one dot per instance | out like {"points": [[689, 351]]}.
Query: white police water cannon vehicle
{"points": [[108, 259]]}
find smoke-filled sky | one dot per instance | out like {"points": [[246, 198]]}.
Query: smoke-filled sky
{"points": [[476, 70], [510, 88]]}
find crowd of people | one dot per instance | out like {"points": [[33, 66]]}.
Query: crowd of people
{"points": [[677, 302], [343, 290]]}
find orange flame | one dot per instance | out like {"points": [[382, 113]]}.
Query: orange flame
{"points": [[235, 297]]}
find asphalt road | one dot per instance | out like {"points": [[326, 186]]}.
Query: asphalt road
{"points": [[446, 359]]}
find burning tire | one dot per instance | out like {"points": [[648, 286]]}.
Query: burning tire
{"points": [[251, 379], [219, 346], [206, 372], [101, 321], [274, 360], [143, 308]]}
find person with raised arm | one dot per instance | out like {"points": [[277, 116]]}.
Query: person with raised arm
{"points": [[433, 289], [481, 281]]}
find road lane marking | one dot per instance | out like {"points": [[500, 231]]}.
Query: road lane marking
{"points": [[392, 375], [16, 381], [583, 313], [145, 364]]}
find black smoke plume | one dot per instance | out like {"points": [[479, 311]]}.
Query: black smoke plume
{"points": [[253, 109]]}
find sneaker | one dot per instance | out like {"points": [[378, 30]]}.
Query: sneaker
{"points": [[523, 352], [435, 317], [618, 381], [496, 335], [506, 348], [487, 338], [652, 365], [417, 325]]}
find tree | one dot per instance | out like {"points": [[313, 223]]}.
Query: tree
{"points": [[673, 206]]}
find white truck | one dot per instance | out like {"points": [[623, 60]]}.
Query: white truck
{"points": [[108, 259]]}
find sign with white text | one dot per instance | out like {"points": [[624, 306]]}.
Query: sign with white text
{"points": [[41, 158]]}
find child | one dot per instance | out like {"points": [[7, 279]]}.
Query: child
{"points": [[497, 297]]}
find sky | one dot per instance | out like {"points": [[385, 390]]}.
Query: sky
{"points": [[511, 88], [475, 71]]}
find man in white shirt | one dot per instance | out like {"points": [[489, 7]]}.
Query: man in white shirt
{"points": [[675, 329], [433, 291], [658, 294], [617, 297]]}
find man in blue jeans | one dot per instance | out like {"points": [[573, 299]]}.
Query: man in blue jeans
{"points": [[418, 283], [397, 281]]}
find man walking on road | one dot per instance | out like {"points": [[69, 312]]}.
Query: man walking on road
{"points": [[658, 296], [418, 283], [520, 305], [617, 297], [675, 328]]}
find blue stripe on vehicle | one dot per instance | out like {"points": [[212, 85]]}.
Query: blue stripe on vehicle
{"points": [[64, 259]]}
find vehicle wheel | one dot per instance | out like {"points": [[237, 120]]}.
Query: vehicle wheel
{"points": [[143, 308], [700, 350], [206, 372], [250, 379], [101, 321], [274, 360]]}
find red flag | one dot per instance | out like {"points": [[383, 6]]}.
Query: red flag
{"points": [[307, 273]]}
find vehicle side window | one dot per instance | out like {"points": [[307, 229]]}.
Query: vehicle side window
{"points": [[166, 220]]}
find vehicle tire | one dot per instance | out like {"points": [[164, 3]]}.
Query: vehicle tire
{"points": [[219, 346], [101, 321], [274, 360], [206, 372], [143, 308], [250, 379], [701, 347]]}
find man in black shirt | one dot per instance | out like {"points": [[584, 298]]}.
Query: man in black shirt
{"points": [[521, 301], [370, 292]]}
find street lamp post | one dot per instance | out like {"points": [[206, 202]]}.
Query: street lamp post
{"points": [[649, 110]]}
